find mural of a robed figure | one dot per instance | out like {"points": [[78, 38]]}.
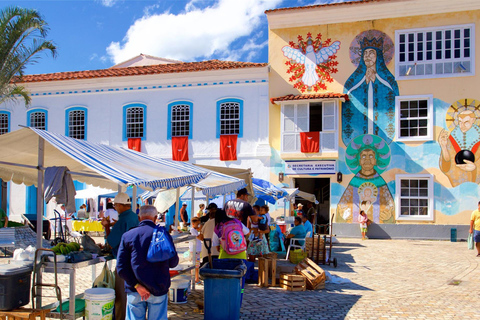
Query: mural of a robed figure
{"points": [[371, 89], [460, 144], [367, 156]]}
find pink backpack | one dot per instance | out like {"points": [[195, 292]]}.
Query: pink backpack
{"points": [[233, 240]]}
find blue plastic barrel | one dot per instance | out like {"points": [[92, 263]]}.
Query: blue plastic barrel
{"points": [[453, 235], [223, 288]]}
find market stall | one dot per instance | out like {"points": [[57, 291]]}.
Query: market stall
{"points": [[25, 155]]}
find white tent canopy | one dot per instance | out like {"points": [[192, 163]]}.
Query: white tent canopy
{"points": [[25, 153], [95, 164]]}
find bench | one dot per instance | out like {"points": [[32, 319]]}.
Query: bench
{"points": [[7, 238]]}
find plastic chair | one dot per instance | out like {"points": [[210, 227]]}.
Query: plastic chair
{"points": [[295, 243]]}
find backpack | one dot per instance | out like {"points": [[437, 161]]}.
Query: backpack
{"points": [[233, 239]]}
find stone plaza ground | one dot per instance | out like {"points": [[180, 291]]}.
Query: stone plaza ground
{"points": [[390, 279]]}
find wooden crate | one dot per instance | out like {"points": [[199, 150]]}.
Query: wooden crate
{"points": [[267, 268], [314, 275], [293, 282], [315, 247], [24, 313]]}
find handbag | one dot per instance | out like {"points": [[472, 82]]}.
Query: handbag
{"points": [[471, 245], [161, 248], [106, 279]]}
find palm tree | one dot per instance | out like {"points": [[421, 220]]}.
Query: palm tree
{"points": [[22, 38]]}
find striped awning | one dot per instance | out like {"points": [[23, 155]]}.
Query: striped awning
{"points": [[92, 163], [267, 191], [213, 185]]}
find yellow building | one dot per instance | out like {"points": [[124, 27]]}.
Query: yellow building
{"points": [[375, 106]]}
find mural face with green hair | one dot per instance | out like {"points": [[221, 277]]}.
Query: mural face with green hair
{"points": [[367, 156], [367, 151]]}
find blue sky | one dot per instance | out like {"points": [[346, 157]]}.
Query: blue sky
{"points": [[96, 34]]}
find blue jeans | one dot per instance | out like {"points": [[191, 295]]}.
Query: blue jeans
{"points": [[156, 306]]}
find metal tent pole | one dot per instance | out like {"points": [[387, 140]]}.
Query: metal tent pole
{"points": [[177, 208], [134, 199], [193, 204], [40, 199]]}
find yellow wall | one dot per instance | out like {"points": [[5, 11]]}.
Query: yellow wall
{"points": [[448, 90]]}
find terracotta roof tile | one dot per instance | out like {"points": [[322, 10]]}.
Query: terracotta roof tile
{"points": [[143, 70], [322, 5], [326, 95]]}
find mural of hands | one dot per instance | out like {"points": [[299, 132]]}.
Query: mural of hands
{"points": [[468, 166], [443, 138]]}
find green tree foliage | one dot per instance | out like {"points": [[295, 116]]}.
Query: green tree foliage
{"points": [[23, 35]]}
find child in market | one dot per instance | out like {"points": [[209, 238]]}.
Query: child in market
{"points": [[197, 248], [363, 219]]}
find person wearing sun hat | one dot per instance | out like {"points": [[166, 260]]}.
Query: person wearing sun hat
{"points": [[127, 219]]}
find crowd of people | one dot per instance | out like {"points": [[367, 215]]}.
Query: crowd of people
{"points": [[238, 231]]}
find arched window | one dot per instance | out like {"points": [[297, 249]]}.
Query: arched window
{"points": [[76, 123], [230, 117], [134, 121], [37, 119], [180, 116], [4, 122]]}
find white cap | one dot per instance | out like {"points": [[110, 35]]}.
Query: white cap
{"points": [[184, 204], [300, 205], [122, 198]]}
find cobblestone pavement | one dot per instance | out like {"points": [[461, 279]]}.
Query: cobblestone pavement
{"points": [[390, 279]]}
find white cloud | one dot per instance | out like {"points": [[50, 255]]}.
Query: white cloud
{"points": [[195, 33], [107, 3]]}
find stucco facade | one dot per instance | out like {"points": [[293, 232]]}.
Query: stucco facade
{"points": [[413, 104], [104, 98]]}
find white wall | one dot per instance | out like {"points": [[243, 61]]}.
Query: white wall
{"points": [[105, 113]]}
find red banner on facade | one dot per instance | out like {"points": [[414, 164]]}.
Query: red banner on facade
{"points": [[135, 144], [180, 148], [310, 142], [228, 147]]}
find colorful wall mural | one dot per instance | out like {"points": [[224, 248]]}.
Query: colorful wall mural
{"points": [[459, 143], [367, 156], [371, 88], [311, 62]]}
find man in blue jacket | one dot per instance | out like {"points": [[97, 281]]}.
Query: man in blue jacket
{"points": [[146, 283]]}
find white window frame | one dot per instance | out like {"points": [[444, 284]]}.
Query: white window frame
{"points": [[430, 117], [296, 131], [74, 130], [5, 126], [457, 64], [229, 125], [135, 128], [430, 197], [34, 119], [179, 126]]}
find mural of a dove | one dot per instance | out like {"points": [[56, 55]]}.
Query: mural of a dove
{"points": [[311, 59]]}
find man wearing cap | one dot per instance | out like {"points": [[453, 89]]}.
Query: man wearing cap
{"points": [[184, 214], [146, 283], [127, 219], [300, 210], [239, 208]]}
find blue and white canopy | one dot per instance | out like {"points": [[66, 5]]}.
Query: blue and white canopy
{"points": [[267, 191], [92, 163], [214, 184]]}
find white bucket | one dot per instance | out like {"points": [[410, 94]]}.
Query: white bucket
{"points": [[185, 277], [178, 291], [99, 303]]}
